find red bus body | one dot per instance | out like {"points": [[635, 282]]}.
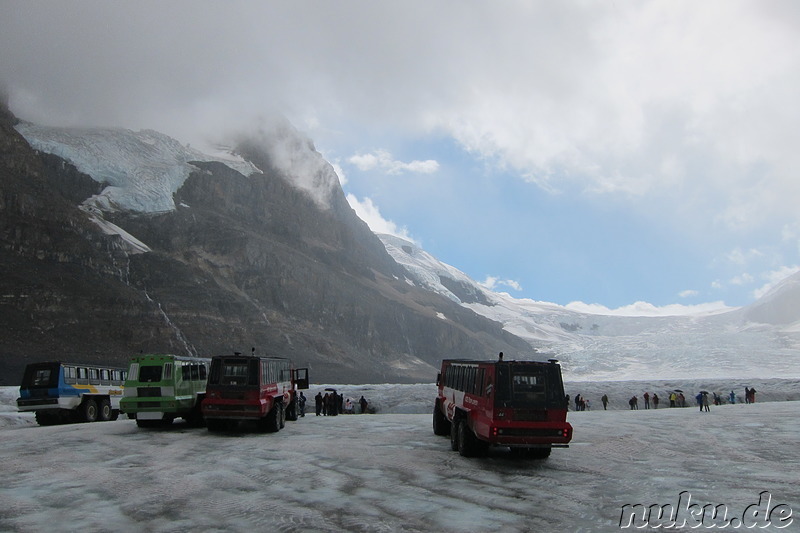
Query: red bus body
{"points": [[519, 404], [258, 389]]}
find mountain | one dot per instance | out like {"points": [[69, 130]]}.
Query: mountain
{"points": [[115, 242], [760, 340]]}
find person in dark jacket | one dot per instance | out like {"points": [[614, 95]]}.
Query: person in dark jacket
{"points": [[363, 403], [318, 403]]}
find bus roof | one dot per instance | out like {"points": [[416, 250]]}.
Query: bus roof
{"points": [[168, 357], [249, 356], [494, 361]]}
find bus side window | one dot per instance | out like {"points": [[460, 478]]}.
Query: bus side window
{"points": [[186, 372], [195, 372], [203, 372], [167, 371], [94, 376], [69, 374], [104, 375], [133, 373], [479, 382]]}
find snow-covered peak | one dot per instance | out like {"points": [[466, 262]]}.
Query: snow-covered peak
{"points": [[293, 154], [142, 169], [780, 305], [427, 271]]}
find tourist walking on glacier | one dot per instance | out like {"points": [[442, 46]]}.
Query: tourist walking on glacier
{"points": [[646, 400]]}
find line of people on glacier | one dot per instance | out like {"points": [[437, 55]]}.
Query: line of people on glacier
{"points": [[676, 399]]}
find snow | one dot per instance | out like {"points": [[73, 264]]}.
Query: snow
{"points": [[388, 472], [761, 340], [142, 170]]}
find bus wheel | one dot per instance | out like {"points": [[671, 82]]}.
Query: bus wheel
{"points": [[46, 419], [291, 410], [441, 426], [272, 422], [105, 412], [89, 410], [454, 435], [539, 453], [467, 441], [214, 424]]}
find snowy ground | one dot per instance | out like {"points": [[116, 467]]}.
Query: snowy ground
{"points": [[388, 472]]}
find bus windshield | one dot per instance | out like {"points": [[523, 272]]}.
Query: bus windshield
{"points": [[234, 372], [45, 376], [150, 374], [529, 386]]}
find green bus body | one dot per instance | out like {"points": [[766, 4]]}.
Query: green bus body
{"points": [[161, 388]]}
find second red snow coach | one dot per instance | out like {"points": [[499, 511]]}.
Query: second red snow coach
{"points": [[259, 389], [519, 404]]}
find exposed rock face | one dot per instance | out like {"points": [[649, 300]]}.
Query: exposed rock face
{"points": [[242, 262]]}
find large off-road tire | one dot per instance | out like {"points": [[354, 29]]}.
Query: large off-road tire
{"points": [[195, 417], [539, 453], [454, 435], [88, 410], [105, 412], [467, 441], [292, 410], [441, 425], [43, 418], [272, 422], [215, 424]]}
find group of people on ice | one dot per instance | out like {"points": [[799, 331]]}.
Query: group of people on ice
{"points": [[676, 399], [333, 403]]}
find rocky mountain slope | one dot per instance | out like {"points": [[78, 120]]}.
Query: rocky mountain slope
{"points": [[96, 268]]}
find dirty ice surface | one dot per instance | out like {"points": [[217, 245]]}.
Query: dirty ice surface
{"points": [[388, 472]]}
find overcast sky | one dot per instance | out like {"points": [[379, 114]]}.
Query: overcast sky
{"points": [[605, 152]]}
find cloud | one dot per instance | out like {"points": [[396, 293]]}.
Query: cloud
{"points": [[742, 279], [383, 160], [493, 283], [369, 213], [688, 293], [743, 257]]}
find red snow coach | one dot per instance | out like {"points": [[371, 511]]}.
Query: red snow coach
{"points": [[519, 404], [259, 389]]}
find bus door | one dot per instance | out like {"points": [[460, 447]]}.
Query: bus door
{"points": [[301, 378]]}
